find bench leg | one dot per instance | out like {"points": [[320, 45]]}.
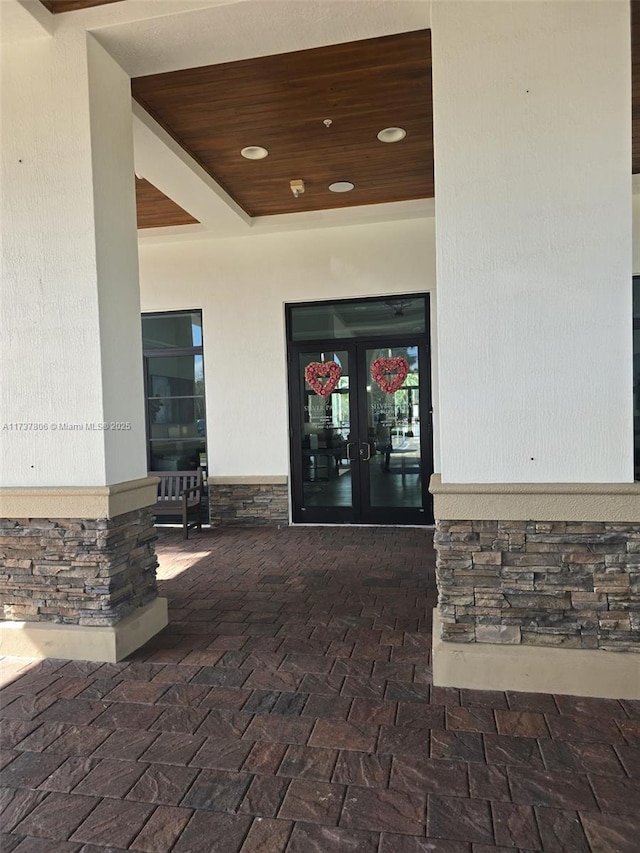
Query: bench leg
{"points": [[185, 521]]}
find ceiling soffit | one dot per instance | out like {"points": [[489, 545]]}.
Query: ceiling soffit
{"points": [[281, 101]]}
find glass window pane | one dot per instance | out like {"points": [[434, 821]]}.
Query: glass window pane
{"points": [[636, 374], [180, 455], [176, 415], [331, 320], [175, 376], [179, 329], [176, 418]]}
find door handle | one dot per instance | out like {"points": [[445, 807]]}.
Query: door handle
{"points": [[349, 444], [366, 445]]}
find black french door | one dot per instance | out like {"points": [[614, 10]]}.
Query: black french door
{"points": [[361, 430]]}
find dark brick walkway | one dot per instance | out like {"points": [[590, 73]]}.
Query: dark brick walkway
{"points": [[289, 707]]}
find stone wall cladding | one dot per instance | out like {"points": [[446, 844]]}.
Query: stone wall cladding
{"points": [[569, 584], [77, 571], [264, 504]]}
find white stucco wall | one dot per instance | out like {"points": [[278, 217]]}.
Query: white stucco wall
{"points": [[532, 109], [242, 285]]}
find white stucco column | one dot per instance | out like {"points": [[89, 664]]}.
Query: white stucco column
{"points": [[76, 530], [537, 513], [532, 126], [71, 342]]}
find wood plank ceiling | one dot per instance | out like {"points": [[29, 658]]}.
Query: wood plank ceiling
{"points": [[280, 103], [156, 210], [58, 6]]}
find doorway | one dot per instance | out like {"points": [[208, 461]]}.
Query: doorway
{"points": [[360, 411]]}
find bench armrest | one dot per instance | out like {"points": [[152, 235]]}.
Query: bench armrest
{"points": [[191, 491]]}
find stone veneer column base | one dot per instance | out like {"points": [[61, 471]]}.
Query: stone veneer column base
{"points": [[78, 571], [538, 587], [534, 669], [249, 501], [81, 642]]}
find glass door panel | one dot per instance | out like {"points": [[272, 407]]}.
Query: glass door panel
{"points": [[322, 431], [395, 476]]}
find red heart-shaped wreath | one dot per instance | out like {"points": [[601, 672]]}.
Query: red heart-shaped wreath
{"points": [[323, 376], [389, 373]]}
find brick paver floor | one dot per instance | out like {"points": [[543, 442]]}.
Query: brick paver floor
{"points": [[289, 707]]}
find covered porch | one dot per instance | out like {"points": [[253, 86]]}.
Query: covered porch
{"points": [[289, 706]]}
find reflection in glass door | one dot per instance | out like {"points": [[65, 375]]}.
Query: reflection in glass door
{"points": [[394, 471], [324, 438]]}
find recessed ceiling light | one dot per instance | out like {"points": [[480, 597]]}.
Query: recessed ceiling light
{"points": [[392, 134], [341, 186], [254, 152]]}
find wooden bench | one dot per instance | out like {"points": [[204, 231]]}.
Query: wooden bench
{"points": [[180, 493]]}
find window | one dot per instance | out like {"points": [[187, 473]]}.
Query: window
{"points": [[174, 390], [350, 318], [636, 376]]}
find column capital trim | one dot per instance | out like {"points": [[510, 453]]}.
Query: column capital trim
{"points": [[612, 502], [78, 501]]}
